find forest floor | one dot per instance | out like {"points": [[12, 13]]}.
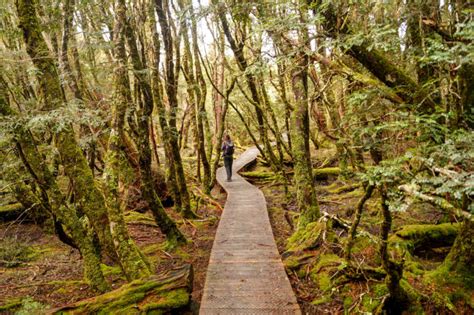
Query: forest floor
{"points": [[49, 273], [316, 273], [37, 271]]}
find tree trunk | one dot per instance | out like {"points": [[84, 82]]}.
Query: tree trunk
{"points": [[460, 259], [355, 222], [165, 130], [131, 259], [378, 64], [75, 164], [171, 91], [27, 151], [237, 48], [166, 224], [201, 114], [68, 78], [305, 194], [398, 300]]}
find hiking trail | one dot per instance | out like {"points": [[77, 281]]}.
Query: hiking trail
{"points": [[245, 273]]}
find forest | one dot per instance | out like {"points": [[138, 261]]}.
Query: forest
{"points": [[359, 115]]}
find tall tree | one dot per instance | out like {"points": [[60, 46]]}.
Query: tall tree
{"points": [[75, 165], [131, 259], [171, 84], [145, 109]]}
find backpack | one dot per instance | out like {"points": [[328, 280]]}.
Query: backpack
{"points": [[229, 150]]}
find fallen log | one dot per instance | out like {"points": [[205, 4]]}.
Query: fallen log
{"points": [[324, 173], [318, 174], [419, 236], [163, 293], [10, 212]]}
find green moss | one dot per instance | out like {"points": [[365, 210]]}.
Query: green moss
{"points": [[354, 194], [140, 296], [413, 237], [320, 273], [306, 238], [413, 267], [442, 301], [380, 290], [373, 206], [413, 295], [294, 262], [10, 211], [324, 173], [369, 304], [361, 242], [322, 300], [172, 244], [331, 187], [10, 305], [152, 249], [461, 295], [327, 260], [348, 300], [291, 263], [324, 281], [168, 300], [110, 270], [442, 276], [439, 231], [134, 217], [259, 175], [15, 207], [30, 306], [62, 291], [182, 254], [336, 189]]}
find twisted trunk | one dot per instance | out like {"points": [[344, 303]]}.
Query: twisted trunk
{"points": [[76, 167], [171, 92]]}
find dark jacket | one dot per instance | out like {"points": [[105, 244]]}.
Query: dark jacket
{"points": [[227, 146]]}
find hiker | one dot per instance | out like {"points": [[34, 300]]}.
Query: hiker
{"points": [[227, 153]]}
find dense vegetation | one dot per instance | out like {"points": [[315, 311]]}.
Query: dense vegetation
{"points": [[113, 112]]}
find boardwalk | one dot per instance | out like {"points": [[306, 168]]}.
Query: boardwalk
{"points": [[245, 273]]}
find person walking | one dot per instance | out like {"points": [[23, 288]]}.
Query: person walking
{"points": [[227, 153]]}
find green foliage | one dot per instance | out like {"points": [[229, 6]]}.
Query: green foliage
{"points": [[459, 52], [444, 172]]}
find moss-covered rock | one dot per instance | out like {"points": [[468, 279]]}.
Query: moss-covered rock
{"points": [[322, 271], [306, 238], [295, 262]]}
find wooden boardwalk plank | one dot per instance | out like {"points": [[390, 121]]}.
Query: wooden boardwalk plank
{"points": [[245, 273]]}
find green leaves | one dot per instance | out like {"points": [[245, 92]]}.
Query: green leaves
{"points": [[458, 51]]}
